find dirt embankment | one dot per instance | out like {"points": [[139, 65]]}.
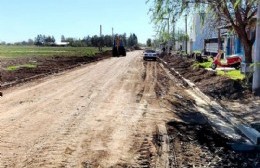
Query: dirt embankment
{"points": [[231, 94], [192, 141], [43, 66], [218, 87]]}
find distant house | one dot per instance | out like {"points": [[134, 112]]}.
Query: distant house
{"points": [[61, 44], [232, 44], [205, 38]]}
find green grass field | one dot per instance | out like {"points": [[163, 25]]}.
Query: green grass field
{"points": [[32, 51]]}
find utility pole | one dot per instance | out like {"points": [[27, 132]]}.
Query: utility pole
{"points": [[100, 43], [112, 31], [113, 35], [100, 30], [186, 32], [256, 75]]}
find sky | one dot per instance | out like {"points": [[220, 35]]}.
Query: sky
{"points": [[25, 19]]}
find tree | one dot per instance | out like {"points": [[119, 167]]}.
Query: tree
{"points": [[72, 41], [94, 41], [62, 39], [149, 42], [108, 42], [30, 42], [236, 13], [135, 39], [100, 43], [87, 41], [53, 39], [39, 40], [124, 39], [3, 43], [181, 36], [132, 40]]}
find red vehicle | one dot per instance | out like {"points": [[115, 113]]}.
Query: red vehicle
{"points": [[231, 61]]}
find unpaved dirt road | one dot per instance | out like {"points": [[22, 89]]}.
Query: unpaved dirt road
{"points": [[103, 114]]}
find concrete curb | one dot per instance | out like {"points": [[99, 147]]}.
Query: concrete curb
{"points": [[252, 134]]}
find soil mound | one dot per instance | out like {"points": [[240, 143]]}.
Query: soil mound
{"points": [[218, 87]]}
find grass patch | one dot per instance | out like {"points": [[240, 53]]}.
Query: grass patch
{"points": [[206, 64], [34, 51], [234, 74], [16, 67]]}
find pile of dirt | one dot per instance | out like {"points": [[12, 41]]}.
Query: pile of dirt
{"points": [[43, 66], [192, 140], [218, 87]]}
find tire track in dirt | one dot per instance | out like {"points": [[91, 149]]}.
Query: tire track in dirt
{"points": [[89, 116], [65, 91]]}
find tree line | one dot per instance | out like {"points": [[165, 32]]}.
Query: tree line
{"points": [[88, 41], [101, 41]]}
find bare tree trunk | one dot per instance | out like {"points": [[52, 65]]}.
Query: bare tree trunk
{"points": [[248, 52], [244, 36], [247, 44]]}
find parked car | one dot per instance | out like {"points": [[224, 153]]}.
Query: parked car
{"points": [[150, 55]]}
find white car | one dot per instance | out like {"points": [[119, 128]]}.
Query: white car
{"points": [[150, 55]]}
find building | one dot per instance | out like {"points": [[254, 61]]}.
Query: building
{"points": [[201, 31], [204, 37], [61, 44], [232, 44]]}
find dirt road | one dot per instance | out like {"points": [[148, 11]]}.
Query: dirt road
{"points": [[99, 115]]}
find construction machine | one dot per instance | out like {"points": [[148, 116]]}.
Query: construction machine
{"points": [[118, 47]]}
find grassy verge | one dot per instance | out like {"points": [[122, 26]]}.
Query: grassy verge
{"points": [[34, 51], [206, 64], [233, 74], [16, 67], [203, 64]]}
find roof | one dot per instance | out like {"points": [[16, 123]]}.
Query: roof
{"points": [[62, 43]]}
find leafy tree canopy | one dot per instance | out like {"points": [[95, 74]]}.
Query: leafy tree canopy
{"points": [[238, 14]]}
